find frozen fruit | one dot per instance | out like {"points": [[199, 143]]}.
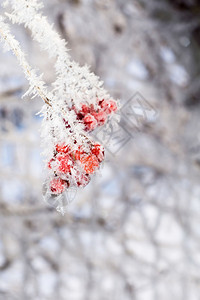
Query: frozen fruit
{"points": [[112, 105], [90, 122], [100, 117], [90, 163], [57, 186], [64, 163], [74, 165], [98, 151], [108, 106], [76, 155]]}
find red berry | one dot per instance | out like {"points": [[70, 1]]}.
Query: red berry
{"points": [[57, 186], [64, 163], [90, 122], [76, 155], [98, 151], [109, 106], [113, 105], [100, 117], [90, 163]]}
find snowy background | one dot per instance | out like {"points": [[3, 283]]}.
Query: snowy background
{"points": [[134, 232]]}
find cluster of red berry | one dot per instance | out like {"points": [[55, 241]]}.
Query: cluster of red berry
{"points": [[95, 117], [74, 167]]}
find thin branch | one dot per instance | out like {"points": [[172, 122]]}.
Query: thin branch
{"points": [[13, 44]]}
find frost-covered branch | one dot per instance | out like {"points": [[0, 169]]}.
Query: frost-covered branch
{"points": [[78, 105], [73, 82], [37, 86]]}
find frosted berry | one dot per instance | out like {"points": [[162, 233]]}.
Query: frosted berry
{"points": [[90, 163], [113, 106], [64, 163], [90, 122], [100, 117], [57, 186], [76, 155], [108, 106], [98, 151], [74, 167]]}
